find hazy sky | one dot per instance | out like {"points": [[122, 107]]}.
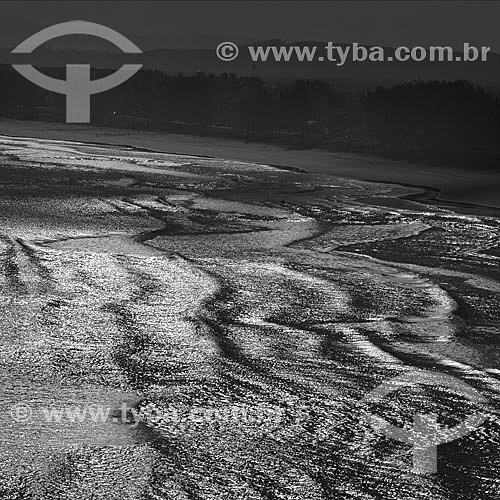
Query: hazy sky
{"points": [[194, 23]]}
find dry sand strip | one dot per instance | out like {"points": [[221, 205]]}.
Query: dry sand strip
{"points": [[456, 185]]}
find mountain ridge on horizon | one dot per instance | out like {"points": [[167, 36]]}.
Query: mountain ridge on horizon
{"points": [[189, 61]]}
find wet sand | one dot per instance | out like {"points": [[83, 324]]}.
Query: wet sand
{"points": [[477, 187], [246, 310]]}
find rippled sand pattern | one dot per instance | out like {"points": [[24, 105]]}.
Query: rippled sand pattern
{"points": [[245, 312]]}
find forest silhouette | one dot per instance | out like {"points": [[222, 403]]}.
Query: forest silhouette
{"points": [[437, 122]]}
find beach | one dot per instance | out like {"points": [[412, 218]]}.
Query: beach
{"points": [[244, 300], [454, 184]]}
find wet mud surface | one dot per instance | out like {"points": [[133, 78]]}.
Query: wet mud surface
{"points": [[245, 311]]}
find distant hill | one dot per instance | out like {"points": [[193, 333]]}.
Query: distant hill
{"points": [[205, 60]]}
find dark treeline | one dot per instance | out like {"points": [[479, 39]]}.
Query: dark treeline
{"points": [[445, 122], [435, 122], [245, 106]]}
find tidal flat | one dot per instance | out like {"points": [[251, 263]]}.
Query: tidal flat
{"points": [[188, 285]]}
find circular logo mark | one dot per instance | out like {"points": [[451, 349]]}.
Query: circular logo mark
{"points": [[227, 51], [20, 413], [78, 87], [426, 433]]}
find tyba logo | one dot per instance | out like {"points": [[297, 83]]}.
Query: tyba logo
{"points": [[426, 434], [78, 87]]}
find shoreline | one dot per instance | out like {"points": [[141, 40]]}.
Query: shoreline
{"points": [[429, 195], [455, 186]]}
